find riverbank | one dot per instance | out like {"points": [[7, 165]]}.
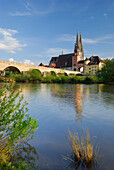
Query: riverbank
{"points": [[55, 79]]}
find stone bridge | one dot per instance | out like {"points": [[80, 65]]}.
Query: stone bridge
{"points": [[21, 68]]}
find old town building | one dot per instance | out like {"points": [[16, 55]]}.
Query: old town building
{"points": [[70, 61], [92, 64]]}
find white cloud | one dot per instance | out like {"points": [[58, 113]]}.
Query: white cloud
{"points": [[92, 18], [11, 60], [89, 41], [20, 14], [56, 51], [66, 37], [27, 6], [72, 38], [28, 62], [31, 10], [98, 40], [105, 14], [8, 42]]}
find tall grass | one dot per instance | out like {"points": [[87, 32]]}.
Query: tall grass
{"points": [[83, 148]]}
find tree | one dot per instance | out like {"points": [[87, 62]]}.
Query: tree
{"points": [[107, 72], [35, 74], [16, 127]]}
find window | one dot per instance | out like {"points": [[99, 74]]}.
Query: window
{"points": [[95, 66], [74, 59], [95, 70], [65, 63], [89, 68]]}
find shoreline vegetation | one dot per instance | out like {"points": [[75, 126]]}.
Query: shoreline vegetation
{"points": [[105, 75], [36, 77], [16, 128]]}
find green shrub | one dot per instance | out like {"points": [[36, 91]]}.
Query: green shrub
{"points": [[107, 72], [88, 80], [35, 75], [16, 126], [52, 73]]}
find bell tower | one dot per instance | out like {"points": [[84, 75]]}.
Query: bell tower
{"points": [[78, 53]]}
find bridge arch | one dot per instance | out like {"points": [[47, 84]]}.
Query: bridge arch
{"points": [[53, 73], [34, 72], [12, 69], [35, 69]]}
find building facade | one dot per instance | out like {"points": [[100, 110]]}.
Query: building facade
{"points": [[92, 65], [70, 61], [75, 61]]}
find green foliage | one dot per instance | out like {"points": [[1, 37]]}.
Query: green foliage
{"points": [[8, 73], [35, 75], [21, 78], [88, 80], [53, 73], [16, 127], [107, 72]]}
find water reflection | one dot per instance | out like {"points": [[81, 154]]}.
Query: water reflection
{"points": [[27, 154]]}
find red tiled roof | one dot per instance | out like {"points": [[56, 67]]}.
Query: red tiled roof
{"points": [[52, 64], [41, 64], [95, 60]]}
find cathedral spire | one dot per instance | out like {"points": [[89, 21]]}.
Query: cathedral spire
{"points": [[81, 40], [81, 45], [77, 40]]}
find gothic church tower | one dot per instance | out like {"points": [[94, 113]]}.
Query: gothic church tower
{"points": [[79, 47], [78, 52]]}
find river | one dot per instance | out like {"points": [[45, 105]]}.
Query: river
{"points": [[62, 107]]}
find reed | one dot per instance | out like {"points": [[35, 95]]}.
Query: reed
{"points": [[83, 149]]}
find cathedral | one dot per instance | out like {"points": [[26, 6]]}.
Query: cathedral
{"points": [[72, 61]]}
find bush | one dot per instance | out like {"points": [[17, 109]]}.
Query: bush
{"points": [[35, 75], [53, 73], [88, 80], [16, 126], [107, 72]]}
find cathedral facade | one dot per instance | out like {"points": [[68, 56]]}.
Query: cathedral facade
{"points": [[72, 61]]}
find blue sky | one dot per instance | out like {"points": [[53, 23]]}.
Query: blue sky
{"points": [[32, 31]]}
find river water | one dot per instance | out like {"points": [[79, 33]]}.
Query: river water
{"points": [[62, 107]]}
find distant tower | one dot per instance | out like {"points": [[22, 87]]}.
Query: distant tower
{"points": [[77, 44], [81, 49], [78, 52]]}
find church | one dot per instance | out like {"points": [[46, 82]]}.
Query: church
{"points": [[73, 61]]}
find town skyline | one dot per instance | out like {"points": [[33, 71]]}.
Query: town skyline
{"points": [[34, 31]]}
